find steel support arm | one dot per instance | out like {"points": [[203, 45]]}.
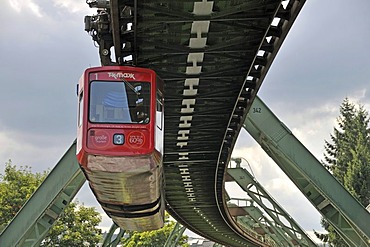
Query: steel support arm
{"points": [[175, 235], [328, 196], [30, 226], [108, 241], [281, 220]]}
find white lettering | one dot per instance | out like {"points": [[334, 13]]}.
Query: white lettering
{"points": [[101, 139], [188, 103], [182, 135], [183, 156], [186, 121], [182, 144], [117, 75], [188, 184], [189, 190], [136, 139], [191, 83], [191, 195], [186, 178], [184, 171]]}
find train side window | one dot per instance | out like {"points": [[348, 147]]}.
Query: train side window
{"points": [[159, 110], [80, 109]]}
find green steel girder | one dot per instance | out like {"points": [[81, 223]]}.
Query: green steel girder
{"points": [[278, 235], [281, 220], [255, 217], [328, 196], [37, 216], [175, 235], [108, 242], [248, 223]]}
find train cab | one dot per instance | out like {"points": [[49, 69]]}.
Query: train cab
{"points": [[120, 143]]}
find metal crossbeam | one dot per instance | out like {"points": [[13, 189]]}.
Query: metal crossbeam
{"points": [[175, 235], [108, 242], [281, 220], [30, 226], [254, 217], [349, 218]]}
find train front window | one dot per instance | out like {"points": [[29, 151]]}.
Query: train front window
{"points": [[119, 102]]}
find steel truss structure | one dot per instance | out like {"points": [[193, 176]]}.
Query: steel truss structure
{"points": [[213, 57]]}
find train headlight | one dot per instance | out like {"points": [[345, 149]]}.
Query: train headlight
{"points": [[118, 139]]}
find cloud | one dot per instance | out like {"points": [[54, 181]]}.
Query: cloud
{"points": [[278, 185], [22, 6], [16, 5], [311, 126], [32, 150], [35, 9], [72, 6]]}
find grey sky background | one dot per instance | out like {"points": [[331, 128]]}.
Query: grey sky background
{"points": [[44, 50]]}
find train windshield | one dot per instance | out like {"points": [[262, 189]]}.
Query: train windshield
{"points": [[119, 102]]}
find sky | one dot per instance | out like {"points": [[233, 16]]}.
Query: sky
{"points": [[44, 50]]}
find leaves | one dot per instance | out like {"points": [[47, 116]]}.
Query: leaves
{"points": [[16, 186], [153, 238], [347, 156], [77, 226]]}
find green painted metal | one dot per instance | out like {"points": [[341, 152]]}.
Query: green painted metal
{"points": [[284, 226], [213, 57], [254, 218], [175, 235], [331, 199], [108, 242], [36, 217]]}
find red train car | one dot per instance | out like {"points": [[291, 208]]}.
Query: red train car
{"points": [[120, 143]]}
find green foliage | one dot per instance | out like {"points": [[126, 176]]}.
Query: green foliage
{"points": [[155, 238], [76, 227], [347, 156], [338, 152], [16, 186], [357, 177]]}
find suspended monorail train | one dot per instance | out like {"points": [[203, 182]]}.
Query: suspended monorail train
{"points": [[120, 143]]}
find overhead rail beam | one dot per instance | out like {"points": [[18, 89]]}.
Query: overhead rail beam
{"points": [[349, 218], [213, 57], [31, 224]]}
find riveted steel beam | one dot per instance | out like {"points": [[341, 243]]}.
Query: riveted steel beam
{"points": [[349, 218], [37, 216], [281, 220]]}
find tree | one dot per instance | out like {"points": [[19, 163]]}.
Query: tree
{"points": [[155, 238], [76, 226], [16, 186], [338, 152], [347, 157], [357, 177]]}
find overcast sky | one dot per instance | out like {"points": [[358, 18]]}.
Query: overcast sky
{"points": [[44, 50]]}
